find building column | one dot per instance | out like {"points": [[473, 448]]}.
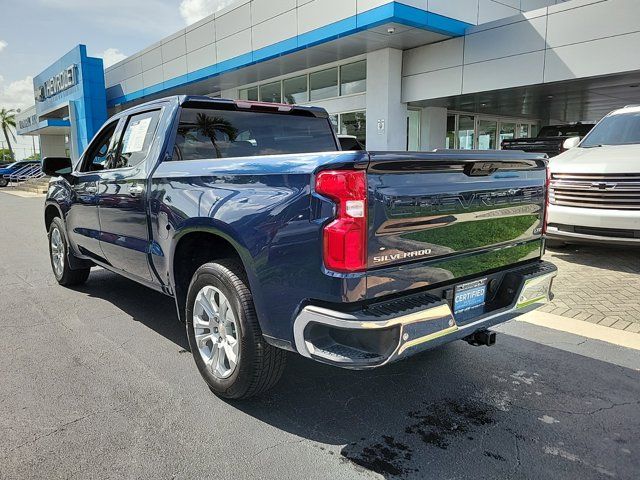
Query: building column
{"points": [[386, 114], [433, 128], [74, 134], [52, 146], [230, 94]]}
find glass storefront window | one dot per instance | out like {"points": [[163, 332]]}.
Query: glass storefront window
{"points": [[353, 78], [523, 130], [271, 92], [413, 131], [295, 90], [451, 131], [466, 131], [323, 84], [487, 134], [534, 130], [507, 131], [249, 94], [335, 122], [354, 123]]}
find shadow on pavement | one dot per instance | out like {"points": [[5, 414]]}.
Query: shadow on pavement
{"points": [[466, 412], [615, 258], [153, 309], [516, 410]]}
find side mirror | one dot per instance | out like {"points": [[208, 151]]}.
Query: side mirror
{"points": [[56, 166], [570, 143]]}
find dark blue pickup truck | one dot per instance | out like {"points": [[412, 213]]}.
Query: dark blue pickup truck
{"points": [[270, 238]]}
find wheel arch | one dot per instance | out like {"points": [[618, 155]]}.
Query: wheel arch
{"points": [[51, 211], [193, 248]]}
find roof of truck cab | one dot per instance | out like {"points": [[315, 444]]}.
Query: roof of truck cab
{"points": [[240, 105]]}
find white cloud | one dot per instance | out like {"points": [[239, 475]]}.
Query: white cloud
{"points": [[3, 45], [18, 94], [154, 18], [194, 10], [111, 56]]}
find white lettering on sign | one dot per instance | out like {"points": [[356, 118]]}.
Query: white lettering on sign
{"points": [[58, 83], [28, 122]]}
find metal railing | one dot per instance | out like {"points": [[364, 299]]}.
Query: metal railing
{"points": [[24, 174]]}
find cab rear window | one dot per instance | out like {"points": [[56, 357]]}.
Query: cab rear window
{"points": [[210, 133]]}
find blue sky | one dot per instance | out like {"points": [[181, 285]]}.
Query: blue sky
{"points": [[35, 33]]}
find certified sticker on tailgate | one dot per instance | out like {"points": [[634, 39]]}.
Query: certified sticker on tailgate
{"points": [[469, 295]]}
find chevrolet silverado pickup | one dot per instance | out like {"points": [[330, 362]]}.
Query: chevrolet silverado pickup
{"points": [[270, 238], [550, 140]]}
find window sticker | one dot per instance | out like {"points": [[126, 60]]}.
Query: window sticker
{"points": [[135, 135]]}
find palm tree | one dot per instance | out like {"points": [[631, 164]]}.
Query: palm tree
{"points": [[7, 122], [212, 126]]}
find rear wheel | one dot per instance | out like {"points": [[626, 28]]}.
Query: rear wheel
{"points": [[59, 255], [3, 182], [224, 336]]}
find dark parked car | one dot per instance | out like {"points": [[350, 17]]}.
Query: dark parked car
{"points": [[350, 142], [14, 168], [550, 139], [270, 238]]}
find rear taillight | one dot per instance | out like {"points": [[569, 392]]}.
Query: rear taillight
{"points": [[344, 244], [546, 202]]}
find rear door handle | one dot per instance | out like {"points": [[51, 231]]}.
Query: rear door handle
{"points": [[136, 190], [91, 189]]}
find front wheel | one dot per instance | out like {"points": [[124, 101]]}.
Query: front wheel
{"points": [[3, 182], [59, 255], [224, 335]]}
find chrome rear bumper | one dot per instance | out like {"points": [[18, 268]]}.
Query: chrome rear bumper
{"points": [[376, 335]]}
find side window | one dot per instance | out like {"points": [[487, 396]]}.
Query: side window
{"points": [[137, 139], [102, 150]]}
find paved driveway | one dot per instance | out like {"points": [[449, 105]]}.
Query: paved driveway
{"points": [[97, 382], [598, 284]]}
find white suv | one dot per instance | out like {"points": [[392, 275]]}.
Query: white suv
{"points": [[594, 188]]}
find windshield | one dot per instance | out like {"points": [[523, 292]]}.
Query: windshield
{"points": [[578, 130], [618, 129]]}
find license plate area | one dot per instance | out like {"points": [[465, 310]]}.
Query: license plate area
{"points": [[469, 295]]}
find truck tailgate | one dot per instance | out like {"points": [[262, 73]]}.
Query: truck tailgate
{"points": [[443, 215]]}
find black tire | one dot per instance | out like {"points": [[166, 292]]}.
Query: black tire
{"points": [[66, 276], [259, 365], [3, 182]]}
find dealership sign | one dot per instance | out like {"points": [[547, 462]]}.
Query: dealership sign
{"points": [[30, 121], [58, 83]]}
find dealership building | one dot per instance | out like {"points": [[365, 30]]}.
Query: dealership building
{"points": [[403, 75]]}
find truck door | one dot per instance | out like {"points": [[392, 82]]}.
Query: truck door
{"points": [[82, 218], [124, 236]]}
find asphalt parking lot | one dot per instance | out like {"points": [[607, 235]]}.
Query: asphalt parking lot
{"points": [[97, 382]]}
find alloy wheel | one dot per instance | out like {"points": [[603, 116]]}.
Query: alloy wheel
{"points": [[216, 331], [57, 252]]}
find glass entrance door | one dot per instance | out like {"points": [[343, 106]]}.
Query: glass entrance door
{"points": [[413, 130], [487, 130]]}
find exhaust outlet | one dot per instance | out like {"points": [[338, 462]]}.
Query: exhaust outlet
{"points": [[483, 337]]}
